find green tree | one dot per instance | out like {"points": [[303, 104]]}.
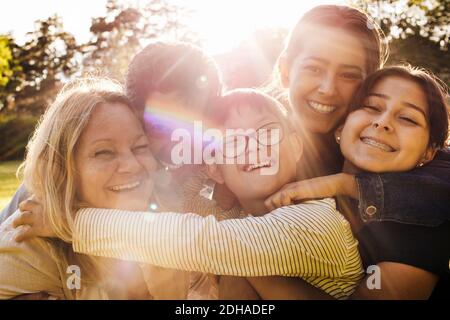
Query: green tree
{"points": [[125, 29], [10, 70], [5, 61], [48, 56]]}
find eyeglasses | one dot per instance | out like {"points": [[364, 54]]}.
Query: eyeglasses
{"points": [[238, 142]]}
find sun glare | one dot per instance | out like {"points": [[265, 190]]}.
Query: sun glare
{"points": [[223, 24]]}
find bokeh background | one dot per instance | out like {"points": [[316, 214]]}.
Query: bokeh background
{"points": [[45, 43]]}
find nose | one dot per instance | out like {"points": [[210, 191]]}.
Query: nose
{"points": [[383, 123], [128, 163], [327, 85]]}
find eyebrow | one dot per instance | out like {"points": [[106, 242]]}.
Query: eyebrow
{"points": [[101, 140], [316, 59], [408, 104], [136, 138], [341, 65]]}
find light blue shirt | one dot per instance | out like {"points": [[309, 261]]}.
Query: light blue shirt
{"points": [[20, 195]]}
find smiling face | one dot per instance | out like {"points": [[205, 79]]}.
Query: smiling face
{"points": [[247, 180], [390, 132], [113, 160], [324, 76]]}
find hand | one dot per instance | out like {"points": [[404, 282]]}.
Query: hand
{"points": [[32, 221], [316, 188]]}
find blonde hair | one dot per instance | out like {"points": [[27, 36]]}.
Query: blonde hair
{"points": [[49, 168]]}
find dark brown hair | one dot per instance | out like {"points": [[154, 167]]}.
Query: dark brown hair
{"points": [[434, 89], [172, 67]]}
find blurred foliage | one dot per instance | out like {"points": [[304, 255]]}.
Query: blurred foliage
{"points": [[9, 181], [418, 31], [47, 56], [5, 61], [15, 133], [127, 28], [11, 70]]}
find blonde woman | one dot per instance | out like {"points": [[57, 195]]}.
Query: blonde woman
{"points": [[89, 149]]}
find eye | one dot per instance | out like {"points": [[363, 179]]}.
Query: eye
{"points": [[104, 153], [311, 68], [142, 148], [371, 108], [351, 76], [409, 120]]}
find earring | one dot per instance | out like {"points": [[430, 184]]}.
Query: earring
{"points": [[420, 165], [338, 139]]}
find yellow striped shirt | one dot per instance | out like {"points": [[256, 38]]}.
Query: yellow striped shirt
{"points": [[310, 240]]}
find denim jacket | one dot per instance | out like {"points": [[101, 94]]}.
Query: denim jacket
{"points": [[420, 196]]}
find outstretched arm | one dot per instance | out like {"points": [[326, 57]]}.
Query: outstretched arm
{"points": [[312, 241]]}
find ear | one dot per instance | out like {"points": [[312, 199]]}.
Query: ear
{"points": [[214, 173], [297, 145], [283, 69], [338, 133], [428, 155]]}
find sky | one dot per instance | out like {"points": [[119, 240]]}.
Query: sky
{"points": [[222, 23]]}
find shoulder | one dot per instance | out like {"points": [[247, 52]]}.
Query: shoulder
{"points": [[26, 267], [36, 251]]}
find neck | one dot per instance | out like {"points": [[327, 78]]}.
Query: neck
{"points": [[321, 156], [255, 207], [350, 168]]}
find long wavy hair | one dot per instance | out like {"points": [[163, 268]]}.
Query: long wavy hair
{"points": [[49, 168]]}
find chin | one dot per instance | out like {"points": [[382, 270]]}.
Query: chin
{"points": [[134, 207], [371, 166]]}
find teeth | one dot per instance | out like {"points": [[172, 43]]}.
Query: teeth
{"points": [[258, 165], [126, 186], [377, 144], [322, 108]]}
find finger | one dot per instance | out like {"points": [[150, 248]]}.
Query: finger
{"points": [[24, 218], [275, 201], [28, 205], [24, 233], [285, 199], [269, 205]]}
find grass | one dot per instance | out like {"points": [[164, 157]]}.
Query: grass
{"points": [[8, 181]]}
